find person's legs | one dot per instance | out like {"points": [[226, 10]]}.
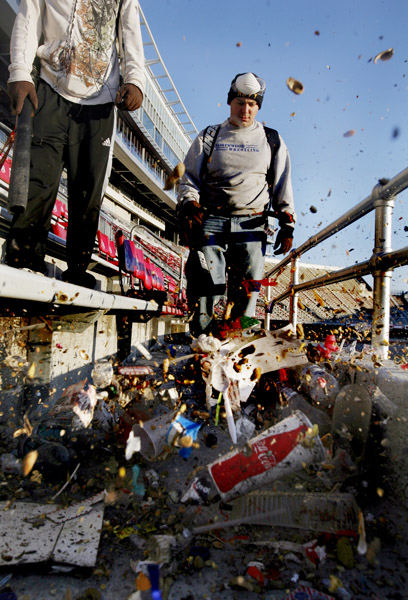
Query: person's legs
{"points": [[209, 278], [88, 160], [246, 262], [27, 238]]}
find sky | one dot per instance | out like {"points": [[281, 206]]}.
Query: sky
{"points": [[328, 46]]}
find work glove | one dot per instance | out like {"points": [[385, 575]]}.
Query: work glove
{"points": [[129, 97], [284, 240], [190, 217], [18, 91]]}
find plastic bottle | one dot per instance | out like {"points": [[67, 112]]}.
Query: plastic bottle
{"points": [[102, 373], [294, 401], [319, 385]]}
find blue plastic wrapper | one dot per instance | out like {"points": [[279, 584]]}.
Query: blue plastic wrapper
{"points": [[183, 427]]}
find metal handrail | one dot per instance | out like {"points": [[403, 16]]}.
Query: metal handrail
{"points": [[380, 265]]}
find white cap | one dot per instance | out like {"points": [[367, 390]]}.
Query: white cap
{"points": [[247, 84]]}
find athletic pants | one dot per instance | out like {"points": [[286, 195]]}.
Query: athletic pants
{"points": [[234, 251], [78, 137]]}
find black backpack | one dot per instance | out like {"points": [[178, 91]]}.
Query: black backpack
{"points": [[272, 136]]}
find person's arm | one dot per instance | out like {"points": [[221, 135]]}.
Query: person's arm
{"points": [[189, 211], [24, 42], [189, 187], [283, 203], [130, 95]]}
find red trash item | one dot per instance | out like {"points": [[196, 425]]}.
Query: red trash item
{"points": [[270, 455], [330, 343], [256, 574]]}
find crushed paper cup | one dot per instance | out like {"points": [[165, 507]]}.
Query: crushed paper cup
{"points": [[276, 452]]}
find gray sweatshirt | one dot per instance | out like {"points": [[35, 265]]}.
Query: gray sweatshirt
{"points": [[236, 173]]}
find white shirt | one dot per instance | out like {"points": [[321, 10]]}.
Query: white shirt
{"points": [[78, 52]]}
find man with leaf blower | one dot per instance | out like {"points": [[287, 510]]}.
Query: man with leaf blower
{"points": [[237, 175]]}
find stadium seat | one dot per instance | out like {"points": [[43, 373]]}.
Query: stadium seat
{"points": [[103, 244], [139, 269], [59, 230]]}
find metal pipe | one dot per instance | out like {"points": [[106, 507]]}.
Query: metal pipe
{"points": [[267, 320], [390, 260], [387, 190], [20, 172], [380, 327], [293, 302], [281, 265]]}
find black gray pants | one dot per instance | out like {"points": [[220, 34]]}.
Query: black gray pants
{"points": [[78, 137]]}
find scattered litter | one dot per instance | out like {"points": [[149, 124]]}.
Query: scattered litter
{"points": [[334, 513], [276, 452], [102, 373], [294, 85], [320, 385], [243, 361], [175, 176], [143, 351], [245, 434], [78, 400], [137, 487], [34, 533], [384, 55], [157, 436]]}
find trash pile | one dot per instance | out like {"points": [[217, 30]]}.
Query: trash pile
{"points": [[249, 466]]}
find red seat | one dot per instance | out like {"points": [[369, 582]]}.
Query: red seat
{"points": [[161, 279], [112, 251], [171, 285], [148, 282], [59, 230], [103, 243], [155, 278], [60, 210], [139, 269]]}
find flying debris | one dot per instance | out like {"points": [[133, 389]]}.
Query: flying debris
{"points": [[349, 133], [313, 209], [294, 85], [385, 55], [317, 32], [175, 176], [239, 44], [395, 133]]}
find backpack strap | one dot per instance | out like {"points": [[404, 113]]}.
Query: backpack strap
{"points": [[273, 139], [209, 138]]}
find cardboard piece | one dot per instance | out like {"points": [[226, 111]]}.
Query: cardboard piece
{"points": [[33, 533]]}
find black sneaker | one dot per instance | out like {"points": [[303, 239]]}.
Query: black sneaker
{"points": [[35, 265], [79, 278]]}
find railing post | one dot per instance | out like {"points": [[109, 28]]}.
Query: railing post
{"points": [[293, 300], [380, 329]]}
